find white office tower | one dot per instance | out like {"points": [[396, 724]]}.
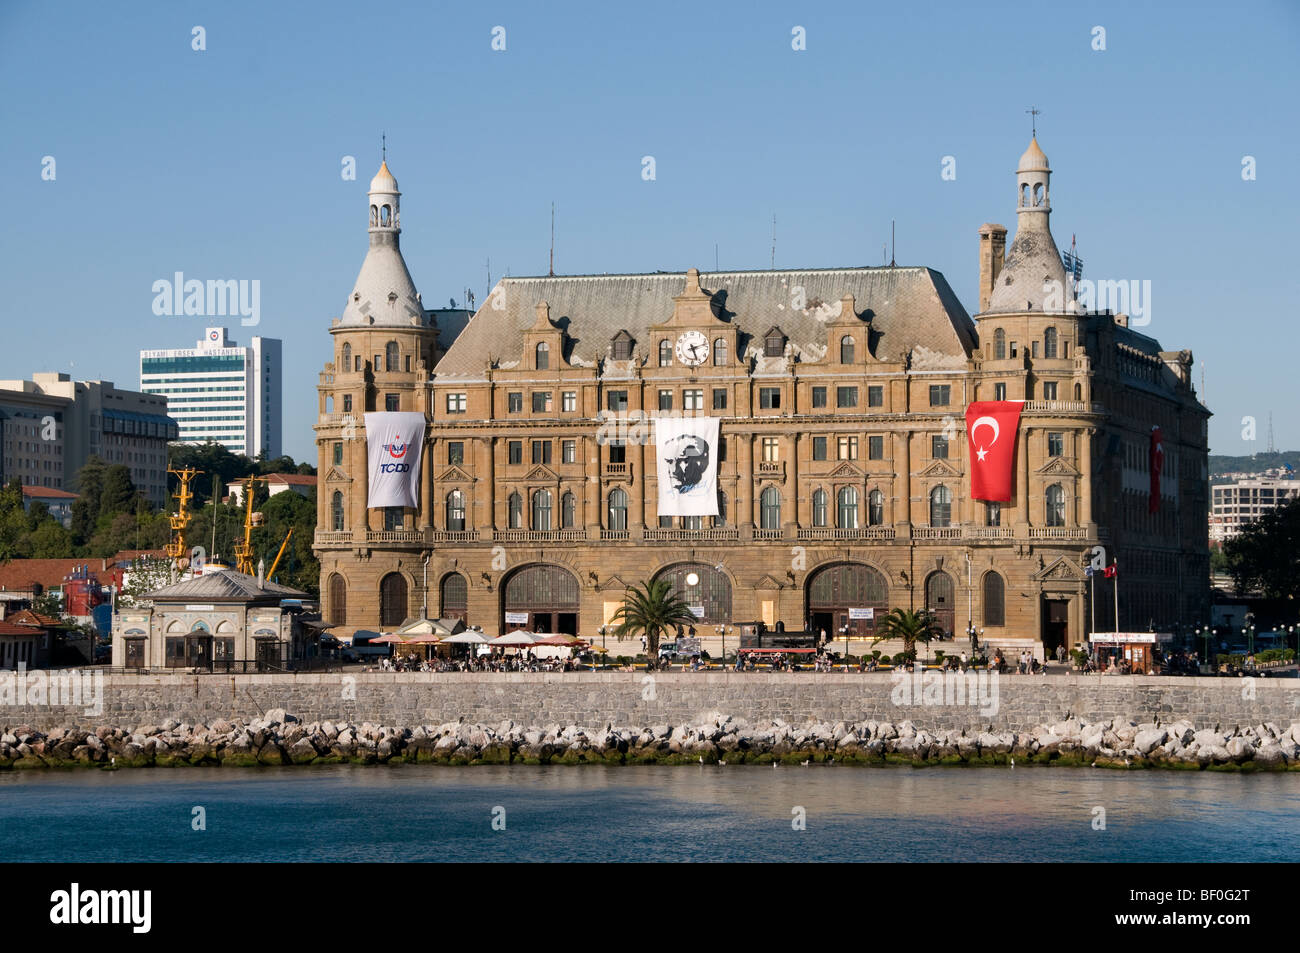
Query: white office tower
{"points": [[221, 391]]}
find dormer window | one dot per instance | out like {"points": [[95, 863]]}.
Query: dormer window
{"points": [[621, 346], [774, 343]]}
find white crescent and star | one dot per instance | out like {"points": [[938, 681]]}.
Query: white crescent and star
{"points": [[984, 422]]}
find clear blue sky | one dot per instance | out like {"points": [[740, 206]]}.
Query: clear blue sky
{"points": [[226, 163]]}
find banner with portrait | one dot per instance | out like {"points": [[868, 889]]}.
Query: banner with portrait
{"points": [[686, 451], [393, 447]]}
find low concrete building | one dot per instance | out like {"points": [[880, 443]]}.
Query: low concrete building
{"points": [[225, 621], [25, 645]]}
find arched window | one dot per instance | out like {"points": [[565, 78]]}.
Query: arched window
{"points": [[392, 600], [720, 352], [995, 591], [940, 506], [568, 511], [770, 508], [542, 510], [338, 600], [374, 216], [846, 504], [1038, 195], [721, 518], [391, 357], [455, 597], [515, 511], [1078, 392], [819, 507], [336, 511], [543, 356], [665, 353], [385, 215], [346, 364], [1055, 505], [1049, 343], [999, 345], [875, 508], [1024, 201], [456, 511], [617, 510], [846, 349]]}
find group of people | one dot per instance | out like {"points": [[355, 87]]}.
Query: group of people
{"points": [[522, 662]]}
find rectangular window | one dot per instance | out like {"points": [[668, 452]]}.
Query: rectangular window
{"points": [[876, 448], [719, 398], [617, 452], [999, 391], [392, 402], [1011, 349], [665, 522], [1033, 349], [875, 396], [541, 451], [848, 448], [1049, 390], [692, 400], [569, 451], [1055, 444], [516, 449], [514, 402], [819, 448], [569, 401], [456, 452], [819, 397], [846, 397], [408, 363], [616, 400], [347, 403], [771, 451], [992, 514], [940, 394], [338, 453], [665, 400], [769, 398], [455, 403], [541, 401], [939, 447]]}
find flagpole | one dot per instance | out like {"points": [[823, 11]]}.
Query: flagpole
{"points": [[1115, 582], [1092, 602]]}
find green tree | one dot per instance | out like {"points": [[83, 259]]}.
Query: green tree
{"points": [[49, 541], [909, 626], [1265, 555], [118, 495], [13, 521], [651, 611], [85, 509]]}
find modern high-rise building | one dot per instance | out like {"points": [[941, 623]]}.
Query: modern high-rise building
{"points": [[1233, 506], [221, 391], [51, 424]]}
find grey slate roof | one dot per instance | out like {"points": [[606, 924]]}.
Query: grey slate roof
{"points": [[909, 308], [384, 294], [224, 586], [1032, 261]]}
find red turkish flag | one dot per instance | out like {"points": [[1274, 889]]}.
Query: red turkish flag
{"points": [[991, 429], [1155, 463]]}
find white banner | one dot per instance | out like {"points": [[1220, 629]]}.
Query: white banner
{"points": [[859, 613], [686, 450], [516, 618], [393, 444]]}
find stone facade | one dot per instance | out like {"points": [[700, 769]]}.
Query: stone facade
{"points": [[842, 470], [595, 699]]}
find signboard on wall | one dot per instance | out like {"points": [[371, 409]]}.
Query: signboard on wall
{"points": [[516, 618], [861, 613]]}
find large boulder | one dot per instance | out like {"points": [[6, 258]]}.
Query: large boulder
{"points": [[1151, 738]]}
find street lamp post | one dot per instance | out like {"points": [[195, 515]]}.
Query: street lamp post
{"points": [[722, 631]]}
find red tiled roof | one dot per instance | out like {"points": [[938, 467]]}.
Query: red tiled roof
{"points": [[19, 574], [49, 492], [8, 628], [292, 479], [28, 618]]}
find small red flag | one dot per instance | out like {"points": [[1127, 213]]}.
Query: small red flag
{"points": [[1155, 464], [991, 428], [1111, 571]]}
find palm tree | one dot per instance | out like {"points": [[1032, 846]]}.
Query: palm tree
{"points": [[652, 610], [910, 626]]}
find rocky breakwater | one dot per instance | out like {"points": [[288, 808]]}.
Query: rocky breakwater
{"points": [[279, 738]]}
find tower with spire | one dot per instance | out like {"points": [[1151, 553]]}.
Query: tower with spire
{"points": [[385, 344]]}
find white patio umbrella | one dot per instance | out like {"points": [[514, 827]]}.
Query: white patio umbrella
{"points": [[517, 638], [465, 638]]}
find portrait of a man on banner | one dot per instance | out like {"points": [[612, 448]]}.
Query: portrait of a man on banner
{"points": [[687, 461]]}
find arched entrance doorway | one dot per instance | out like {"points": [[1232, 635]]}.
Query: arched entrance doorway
{"points": [[198, 647], [541, 599], [392, 600], [705, 589], [838, 596], [939, 600]]}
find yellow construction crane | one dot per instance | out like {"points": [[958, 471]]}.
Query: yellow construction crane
{"points": [[244, 550], [180, 519], [289, 536]]}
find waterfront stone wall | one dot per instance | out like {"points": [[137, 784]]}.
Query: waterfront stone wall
{"points": [[594, 699]]}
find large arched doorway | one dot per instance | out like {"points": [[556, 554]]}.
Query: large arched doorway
{"points": [[392, 600], [541, 599], [939, 600], [705, 589], [454, 597], [840, 595], [198, 646]]}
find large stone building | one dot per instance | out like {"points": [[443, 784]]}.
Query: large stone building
{"points": [[842, 474]]}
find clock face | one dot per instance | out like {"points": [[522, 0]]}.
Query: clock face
{"points": [[692, 348]]}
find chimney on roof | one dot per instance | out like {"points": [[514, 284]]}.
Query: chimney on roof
{"points": [[993, 253]]}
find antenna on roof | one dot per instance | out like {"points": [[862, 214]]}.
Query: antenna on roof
{"points": [[1270, 431], [383, 142], [551, 272], [1034, 113], [892, 263], [774, 241]]}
